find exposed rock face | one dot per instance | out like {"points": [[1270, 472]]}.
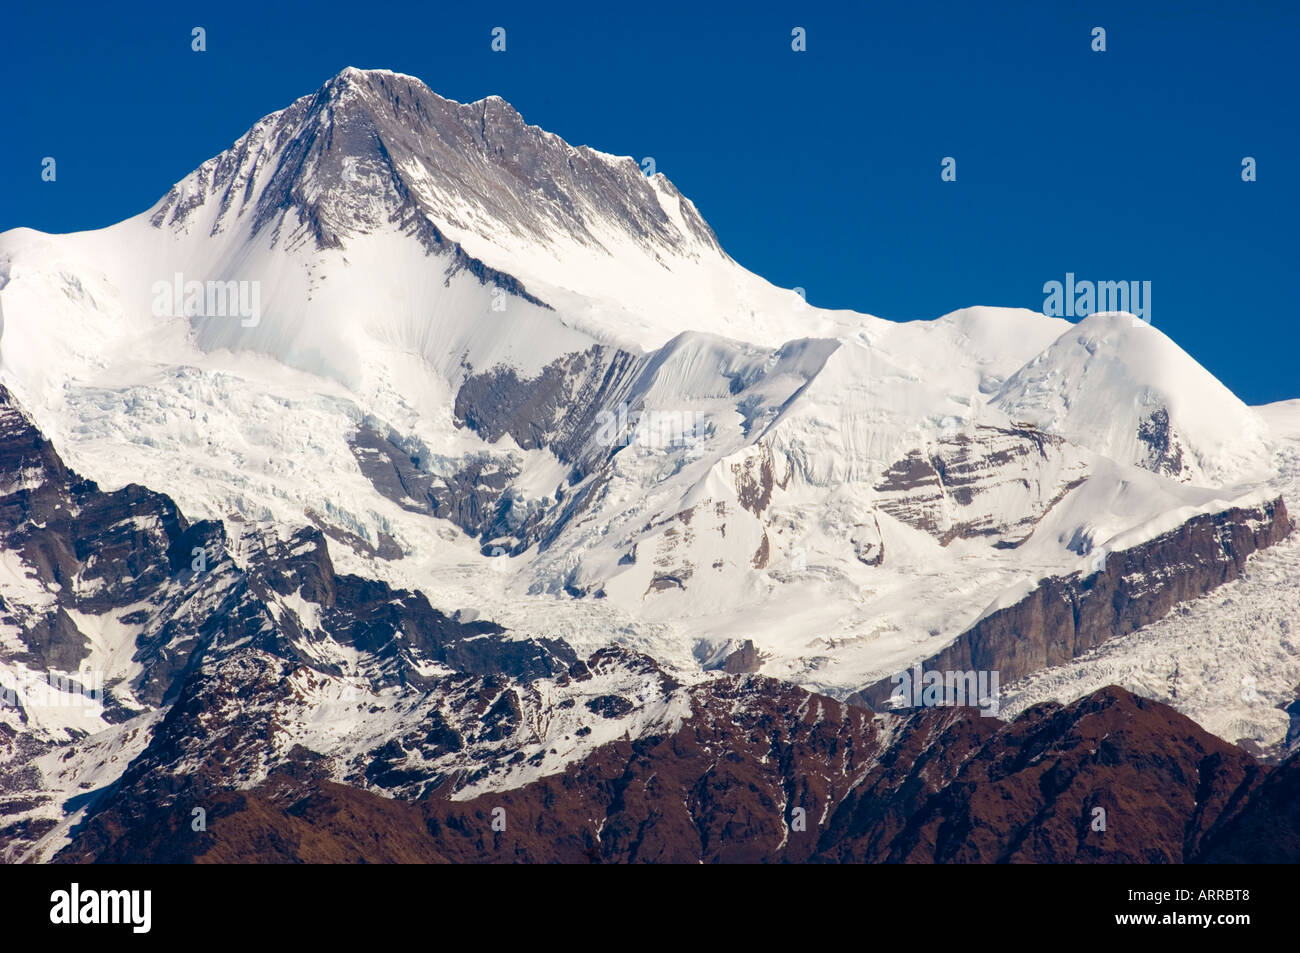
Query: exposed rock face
{"points": [[755, 478], [763, 772], [316, 714], [472, 493], [868, 542], [97, 553], [243, 719], [744, 660], [559, 409], [1064, 617], [960, 486], [1164, 452], [573, 408], [290, 174]]}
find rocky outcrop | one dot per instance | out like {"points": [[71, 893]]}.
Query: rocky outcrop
{"points": [[743, 660], [574, 408], [1164, 451], [562, 409], [1066, 616], [114, 601], [959, 486], [471, 492], [86, 552]]}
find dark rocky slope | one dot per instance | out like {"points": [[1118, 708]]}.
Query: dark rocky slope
{"points": [[730, 783]]}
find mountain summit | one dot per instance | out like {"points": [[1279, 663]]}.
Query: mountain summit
{"points": [[373, 151], [373, 148], [479, 382]]}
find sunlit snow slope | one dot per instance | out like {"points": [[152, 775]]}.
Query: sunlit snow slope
{"points": [[525, 379]]}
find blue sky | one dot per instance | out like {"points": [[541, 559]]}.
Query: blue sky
{"points": [[818, 169]]}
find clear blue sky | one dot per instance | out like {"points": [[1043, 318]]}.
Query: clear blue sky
{"points": [[817, 169]]}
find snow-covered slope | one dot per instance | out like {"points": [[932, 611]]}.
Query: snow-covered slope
{"points": [[526, 380], [1230, 660], [1123, 388]]}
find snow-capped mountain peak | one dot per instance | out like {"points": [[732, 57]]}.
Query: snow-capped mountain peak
{"points": [[371, 148], [1121, 387], [522, 377]]}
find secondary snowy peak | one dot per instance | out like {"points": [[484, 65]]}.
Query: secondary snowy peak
{"points": [[1120, 387], [372, 148]]}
